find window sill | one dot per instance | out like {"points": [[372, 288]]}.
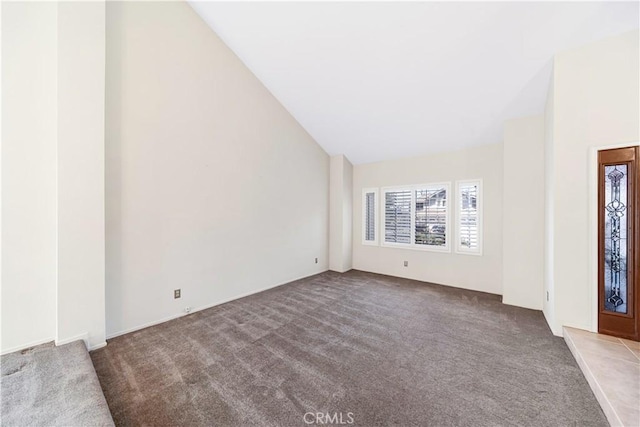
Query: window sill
{"points": [[463, 252], [444, 250]]}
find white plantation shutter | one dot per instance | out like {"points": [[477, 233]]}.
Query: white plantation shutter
{"points": [[417, 217], [431, 216], [469, 216], [369, 218], [397, 216]]}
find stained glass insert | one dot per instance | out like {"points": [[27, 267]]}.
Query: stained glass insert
{"points": [[615, 238]]}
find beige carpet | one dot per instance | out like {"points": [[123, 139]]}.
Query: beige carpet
{"points": [[374, 349], [51, 386]]}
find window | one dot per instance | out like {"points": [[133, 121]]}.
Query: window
{"points": [[469, 217], [370, 216], [417, 217], [397, 216], [431, 216]]}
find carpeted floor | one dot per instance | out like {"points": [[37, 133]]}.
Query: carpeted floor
{"points": [[375, 349], [51, 386]]}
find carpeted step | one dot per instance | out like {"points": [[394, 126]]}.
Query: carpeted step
{"points": [[51, 386]]}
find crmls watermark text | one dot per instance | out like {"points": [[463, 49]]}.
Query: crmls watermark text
{"points": [[327, 418]]}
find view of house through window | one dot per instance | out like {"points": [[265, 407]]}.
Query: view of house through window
{"points": [[431, 216], [417, 216]]}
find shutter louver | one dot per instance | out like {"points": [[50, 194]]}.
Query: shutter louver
{"points": [[468, 222], [397, 208], [370, 217]]}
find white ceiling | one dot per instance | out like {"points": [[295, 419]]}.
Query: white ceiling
{"points": [[377, 81]]}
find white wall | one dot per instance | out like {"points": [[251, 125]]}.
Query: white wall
{"points": [[29, 88], [481, 273], [211, 186], [523, 212], [347, 215], [340, 214], [548, 302], [81, 92], [53, 173], [596, 103]]}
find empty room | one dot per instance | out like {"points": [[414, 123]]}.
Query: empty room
{"points": [[320, 213]]}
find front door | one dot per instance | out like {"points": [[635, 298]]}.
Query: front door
{"points": [[618, 252]]}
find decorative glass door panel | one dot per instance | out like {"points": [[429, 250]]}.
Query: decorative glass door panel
{"points": [[615, 238], [617, 235]]}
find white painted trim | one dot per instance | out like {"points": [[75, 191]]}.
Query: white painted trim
{"points": [[28, 345], [98, 346], [416, 278], [147, 325], [84, 337], [194, 310], [551, 325], [412, 245], [593, 225], [420, 248], [480, 208], [376, 221]]}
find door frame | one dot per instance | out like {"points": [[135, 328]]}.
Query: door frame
{"points": [[593, 226]]}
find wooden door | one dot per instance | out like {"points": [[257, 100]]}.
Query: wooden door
{"points": [[618, 238]]}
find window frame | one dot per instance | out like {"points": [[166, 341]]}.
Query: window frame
{"points": [[413, 245], [459, 249], [376, 216]]}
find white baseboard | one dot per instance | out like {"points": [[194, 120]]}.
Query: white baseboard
{"points": [[27, 345], [97, 346], [84, 337], [196, 309], [507, 301], [145, 325], [423, 279]]}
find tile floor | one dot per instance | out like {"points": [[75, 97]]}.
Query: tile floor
{"points": [[612, 368]]}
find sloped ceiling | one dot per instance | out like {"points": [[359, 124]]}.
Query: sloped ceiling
{"points": [[384, 80]]}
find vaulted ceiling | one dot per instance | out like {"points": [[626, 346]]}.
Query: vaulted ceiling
{"points": [[383, 80]]}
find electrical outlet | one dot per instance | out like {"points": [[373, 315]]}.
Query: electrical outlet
{"points": [[547, 295], [316, 260], [406, 263], [187, 309], [176, 294]]}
